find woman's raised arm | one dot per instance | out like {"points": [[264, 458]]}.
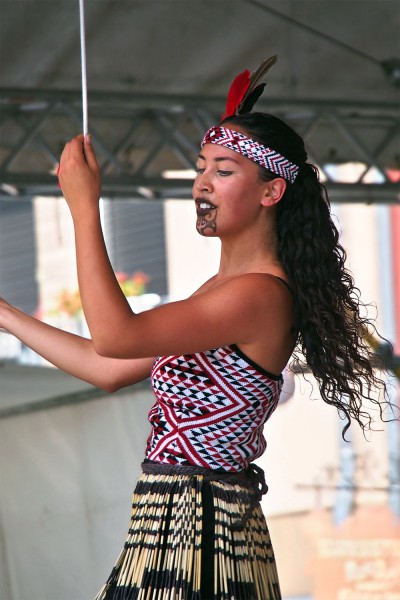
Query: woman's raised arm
{"points": [[71, 353], [104, 304]]}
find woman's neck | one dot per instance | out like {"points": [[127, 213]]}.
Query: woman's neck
{"points": [[248, 256]]}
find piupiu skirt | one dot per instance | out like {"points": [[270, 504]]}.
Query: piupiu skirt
{"points": [[193, 538]]}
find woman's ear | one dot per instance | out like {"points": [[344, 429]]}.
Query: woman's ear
{"points": [[274, 191]]}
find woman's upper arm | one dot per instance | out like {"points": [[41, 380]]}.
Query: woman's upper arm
{"points": [[232, 312], [114, 373]]}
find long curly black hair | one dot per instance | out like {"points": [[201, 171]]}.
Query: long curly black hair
{"points": [[329, 315]]}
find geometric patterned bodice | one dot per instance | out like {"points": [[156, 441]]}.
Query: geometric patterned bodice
{"points": [[210, 410]]}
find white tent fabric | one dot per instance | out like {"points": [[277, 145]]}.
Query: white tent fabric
{"points": [[66, 476]]}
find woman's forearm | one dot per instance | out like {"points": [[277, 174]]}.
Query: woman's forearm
{"points": [[71, 353], [106, 308]]}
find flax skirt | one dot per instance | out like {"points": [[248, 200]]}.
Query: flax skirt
{"points": [[181, 545]]}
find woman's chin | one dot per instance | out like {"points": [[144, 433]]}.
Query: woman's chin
{"points": [[206, 228]]}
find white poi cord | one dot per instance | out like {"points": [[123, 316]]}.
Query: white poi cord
{"points": [[83, 67]]}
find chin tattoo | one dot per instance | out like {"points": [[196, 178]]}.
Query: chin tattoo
{"points": [[206, 223]]}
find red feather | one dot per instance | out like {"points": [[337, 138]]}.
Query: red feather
{"points": [[236, 93]]}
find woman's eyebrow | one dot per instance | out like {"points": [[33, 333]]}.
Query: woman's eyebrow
{"points": [[220, 158]]}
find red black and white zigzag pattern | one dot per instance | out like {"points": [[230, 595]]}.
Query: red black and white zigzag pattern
{"points": [[266, 157], [210, 409]]}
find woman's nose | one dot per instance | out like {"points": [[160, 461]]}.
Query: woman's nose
{"points": [[203, 182]]}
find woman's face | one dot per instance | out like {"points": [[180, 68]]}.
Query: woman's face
{"points": [[228, 191]]}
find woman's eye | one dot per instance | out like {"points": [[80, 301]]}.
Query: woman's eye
{"points": [[199, 170], [224, 173]]}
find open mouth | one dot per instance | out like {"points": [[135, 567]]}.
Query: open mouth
{"points": [[204, 207]]}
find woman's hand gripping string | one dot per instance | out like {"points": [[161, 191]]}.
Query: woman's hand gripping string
{"points": [[79, 176]]}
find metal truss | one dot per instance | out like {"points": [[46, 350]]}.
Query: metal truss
{"points": [[142, 141]]}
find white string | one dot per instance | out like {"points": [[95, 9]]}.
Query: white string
{"points": [[83, 67]]}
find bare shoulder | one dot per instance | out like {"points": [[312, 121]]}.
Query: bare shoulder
{"points": [[268, 299], [204, 286], [268, 283], [262, 300], [259, 287]]}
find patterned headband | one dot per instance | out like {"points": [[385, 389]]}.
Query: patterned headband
{"points": [[266, 157]]}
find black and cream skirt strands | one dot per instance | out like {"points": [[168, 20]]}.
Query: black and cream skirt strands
{"points": [[190, 538]]}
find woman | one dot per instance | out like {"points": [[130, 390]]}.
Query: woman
{"points": [[197, 530]]}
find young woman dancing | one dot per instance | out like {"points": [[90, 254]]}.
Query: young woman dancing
{"points": [[197, 530]]}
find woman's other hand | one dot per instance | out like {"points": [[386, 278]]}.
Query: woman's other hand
{"points": [[71, 353]]}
